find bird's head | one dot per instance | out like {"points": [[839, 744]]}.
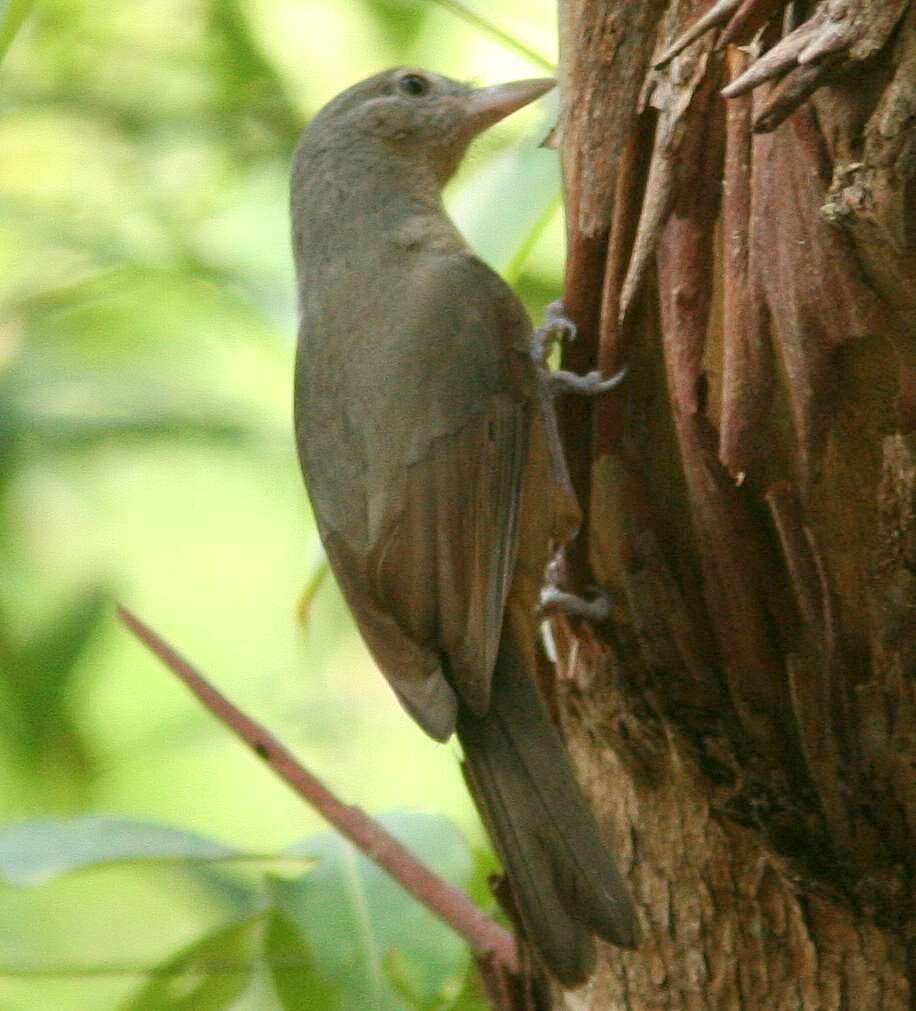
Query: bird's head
{"points": [[422, 115]]}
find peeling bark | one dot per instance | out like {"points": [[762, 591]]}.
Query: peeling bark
{"points": [[742, 234], [747, 361]]}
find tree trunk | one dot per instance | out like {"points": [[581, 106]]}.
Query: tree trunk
{"points": [[745, 722]]}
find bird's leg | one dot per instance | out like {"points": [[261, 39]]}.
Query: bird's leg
{"points": [[596, 608], [592, 384], [558, 326], [555, 601]]}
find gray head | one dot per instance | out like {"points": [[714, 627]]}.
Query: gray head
{"points": [[415, 115]]}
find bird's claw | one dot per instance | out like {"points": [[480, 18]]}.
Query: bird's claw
{"points": [[557, 327], [554, 601], [592, 384], [558, 323]]}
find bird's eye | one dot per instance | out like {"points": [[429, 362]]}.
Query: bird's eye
{"points": [[414, 85]]}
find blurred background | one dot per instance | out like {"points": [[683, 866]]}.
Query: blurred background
{"points": [[146, 341]]}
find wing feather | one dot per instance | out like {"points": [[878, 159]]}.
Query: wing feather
{"points": [[444, 564]]}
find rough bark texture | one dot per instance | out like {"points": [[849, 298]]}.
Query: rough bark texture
{"points": [[746, 720]]}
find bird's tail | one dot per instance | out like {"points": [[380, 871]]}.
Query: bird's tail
{"points": [[564, 882]]}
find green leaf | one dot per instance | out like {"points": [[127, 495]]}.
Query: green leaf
{"points": [[321, 569], [296, 980], [472, 996], [39, 674], [382, 947], [479, 888], [208, 975], [63, 640], [12, 15], [34, 852], [250, 84]]}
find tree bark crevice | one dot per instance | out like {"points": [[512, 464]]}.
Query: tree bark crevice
{"points": [[746, 720]]}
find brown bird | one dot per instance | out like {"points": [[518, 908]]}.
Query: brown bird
{"points": [[427, 440]]}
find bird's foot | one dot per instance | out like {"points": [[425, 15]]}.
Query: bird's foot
{"points": [[554, 601], [559, 327], [592, 384]]}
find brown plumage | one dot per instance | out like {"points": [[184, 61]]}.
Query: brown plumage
{"points": [[424, 431]]}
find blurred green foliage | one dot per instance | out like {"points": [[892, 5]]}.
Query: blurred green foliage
{"points": [[147, 320]]}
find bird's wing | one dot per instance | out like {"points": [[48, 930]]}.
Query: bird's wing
{"points": [[448, 522], [442, 569]]}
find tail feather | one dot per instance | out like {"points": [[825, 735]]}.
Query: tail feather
{"points": [[564, 881]]}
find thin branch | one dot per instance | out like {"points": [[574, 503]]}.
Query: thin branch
{"points": [[716, 15], [776, 62], [747, 19], [786, 96], [451, 905]]}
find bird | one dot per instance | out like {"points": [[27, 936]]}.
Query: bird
{"points": [[428, 445]]}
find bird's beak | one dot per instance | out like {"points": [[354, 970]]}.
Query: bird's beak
{"points": [[487, 106]]}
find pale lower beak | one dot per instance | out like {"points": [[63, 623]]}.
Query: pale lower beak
{"points": [[487, 106]]}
